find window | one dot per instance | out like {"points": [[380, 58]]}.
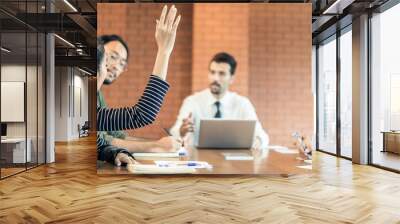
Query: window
{"points": [[385, 87], [346, 93], [395, 102], [327, 96]]}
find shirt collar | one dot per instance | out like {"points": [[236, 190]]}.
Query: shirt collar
{"points": [[211, 99]]}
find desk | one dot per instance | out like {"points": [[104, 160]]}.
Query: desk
{"points": [[13, 150], [268, 162], [391, 141]]}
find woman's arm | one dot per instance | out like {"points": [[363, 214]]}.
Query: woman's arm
{"points": [[145, 111], [139, 115]]}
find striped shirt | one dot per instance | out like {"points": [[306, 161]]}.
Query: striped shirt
{"points": [[137, 116]]}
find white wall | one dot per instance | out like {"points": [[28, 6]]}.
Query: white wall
{"points": [[68, 83], [15, 73], [80, 83], [61, 103]]}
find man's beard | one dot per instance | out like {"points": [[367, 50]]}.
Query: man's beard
{"points": [[215, 88]]}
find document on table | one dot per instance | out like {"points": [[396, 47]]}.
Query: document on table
{"points": [[237, 156], [193, 164], [150, 155], [155, 169], [307, 167], [155, 154], [283, 149]]}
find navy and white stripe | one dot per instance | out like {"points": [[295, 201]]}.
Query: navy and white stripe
{"points": [[101, 141], [141, 114]]}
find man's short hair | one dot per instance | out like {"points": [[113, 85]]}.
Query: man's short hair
{"points": [[100, 53], [224, 57], [113, 37]]}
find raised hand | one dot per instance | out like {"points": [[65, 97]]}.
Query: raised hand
{"points": [[166, 30], [165, 37]]}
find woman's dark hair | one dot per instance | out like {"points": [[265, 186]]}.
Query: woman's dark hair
{"points": [[100, 54], [224, 57], [113, 37]]}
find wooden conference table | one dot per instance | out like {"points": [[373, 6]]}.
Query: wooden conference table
{"points": [[265, 162]]}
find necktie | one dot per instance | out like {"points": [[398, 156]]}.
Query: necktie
{"points": [[218, 114]]}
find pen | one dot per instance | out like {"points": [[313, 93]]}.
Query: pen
{"points": [[198, 165], [166, 131], [182, 151], [185, 164], [169, 134]]}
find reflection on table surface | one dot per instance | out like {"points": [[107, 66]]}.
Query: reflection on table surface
{"points": [[267, 161]]}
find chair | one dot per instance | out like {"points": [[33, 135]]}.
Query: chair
{"points": [[84, 130]]}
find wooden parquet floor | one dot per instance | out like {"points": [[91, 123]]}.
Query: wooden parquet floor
{"points": [[70, 191]]}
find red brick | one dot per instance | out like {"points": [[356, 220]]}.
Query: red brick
{"points": [[271, 42]]}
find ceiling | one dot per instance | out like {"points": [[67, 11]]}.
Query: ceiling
{"points": [[331, 15], [75, 21]]}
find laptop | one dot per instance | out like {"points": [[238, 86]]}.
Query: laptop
{"points": [[226, 134]]}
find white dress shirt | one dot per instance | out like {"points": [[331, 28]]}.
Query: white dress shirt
{"points": [[232, 106]]}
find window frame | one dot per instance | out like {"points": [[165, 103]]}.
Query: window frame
{"points": [[334, 37]]}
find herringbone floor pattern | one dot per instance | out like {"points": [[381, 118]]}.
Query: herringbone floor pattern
{"points": [[70, 191]]}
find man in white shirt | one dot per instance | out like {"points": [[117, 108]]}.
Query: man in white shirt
{"points": [[217, 102]]}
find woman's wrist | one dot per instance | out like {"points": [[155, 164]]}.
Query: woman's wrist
{"points": [[161, 64], [163, 53]]}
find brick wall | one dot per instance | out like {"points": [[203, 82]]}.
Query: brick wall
{"points": [[280, 68], [216, 28], [135, 23], [271, 42]]}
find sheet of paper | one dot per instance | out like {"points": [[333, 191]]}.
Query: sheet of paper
{"points": [[154, 169], [237, 156], [309, 161], [308, 167], [156, 154], [283, 150]]}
